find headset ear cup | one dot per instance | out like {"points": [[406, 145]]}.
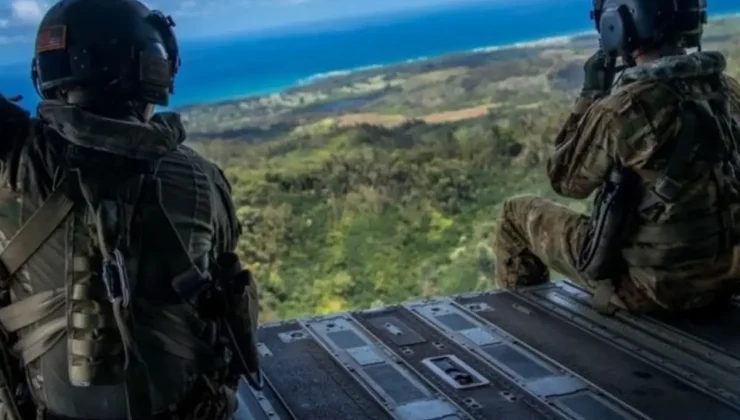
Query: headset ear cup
{"points": [[612, 35], [628, 25], [630, 33], [164, 24]]}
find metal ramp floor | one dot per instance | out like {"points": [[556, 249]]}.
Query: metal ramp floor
{"points": [[539, 354]]}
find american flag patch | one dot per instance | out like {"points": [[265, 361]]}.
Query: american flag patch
{"points": [[51, 38]]}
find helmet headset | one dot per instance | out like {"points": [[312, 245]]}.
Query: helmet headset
{"points": [[626, 26], [114, 50]]}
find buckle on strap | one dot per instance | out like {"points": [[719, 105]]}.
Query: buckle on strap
{"points": [[115, 279], [668, 189]]}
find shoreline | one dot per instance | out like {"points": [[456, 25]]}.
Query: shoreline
{"points": [[553, 40], [307, 81], [534, 43], [550, 41]]}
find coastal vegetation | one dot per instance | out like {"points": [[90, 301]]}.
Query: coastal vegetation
{"points": [[383, 185]]}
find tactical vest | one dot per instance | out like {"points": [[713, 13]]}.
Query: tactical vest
{"points": [[125, 296], [675, 224]]}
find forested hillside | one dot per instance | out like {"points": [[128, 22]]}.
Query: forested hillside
{"points": [[395, 198]]}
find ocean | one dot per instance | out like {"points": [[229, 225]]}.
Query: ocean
{"points": [[226, 68]]}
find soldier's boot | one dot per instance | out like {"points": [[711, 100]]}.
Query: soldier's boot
{"points": [[626, 296], [521, 270]]}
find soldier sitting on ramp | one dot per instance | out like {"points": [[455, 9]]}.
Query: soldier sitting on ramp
{"points": [[125, 297], [661, 150]]}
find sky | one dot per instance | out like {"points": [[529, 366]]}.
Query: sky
{"points": [[206, 18]]}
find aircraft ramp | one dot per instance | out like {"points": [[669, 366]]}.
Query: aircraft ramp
{"points": [[539, 354]]}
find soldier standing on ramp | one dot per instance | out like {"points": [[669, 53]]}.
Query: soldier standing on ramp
{"points": [[662, 152], [121, 286]]}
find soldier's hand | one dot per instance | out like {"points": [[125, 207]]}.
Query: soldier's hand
{"points": [[598, 74]]}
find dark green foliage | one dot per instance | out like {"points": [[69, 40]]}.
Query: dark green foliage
{"points": [[350, 217]]}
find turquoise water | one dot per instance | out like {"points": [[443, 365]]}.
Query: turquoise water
{"points": [[220, 69]]}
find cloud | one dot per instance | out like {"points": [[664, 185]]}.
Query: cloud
{"points": [[187, 8], [18, 20], [27, 11], [9, 40]]}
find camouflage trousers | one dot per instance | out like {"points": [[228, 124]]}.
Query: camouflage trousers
{"points": [[535, 235]]}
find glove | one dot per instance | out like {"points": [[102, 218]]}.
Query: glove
{"points": [[598, 75], [9, 108]]}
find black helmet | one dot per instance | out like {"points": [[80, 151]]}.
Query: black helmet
{"points": [[113, 49], [626, 25]]}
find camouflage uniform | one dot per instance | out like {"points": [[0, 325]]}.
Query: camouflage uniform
{"points": [[64, 325], [630, 126]]}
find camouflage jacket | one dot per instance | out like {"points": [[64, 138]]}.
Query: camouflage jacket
{"points": [[636, 126], [66, 341]]}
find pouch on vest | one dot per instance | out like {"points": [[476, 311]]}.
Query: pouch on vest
{"points": [[110, 186], [672, 229]]}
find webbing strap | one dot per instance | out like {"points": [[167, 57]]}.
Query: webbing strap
{"points": [[678, 232], [35, 309], [21, 247], [34, 233], [653, 257], [168, 330]]}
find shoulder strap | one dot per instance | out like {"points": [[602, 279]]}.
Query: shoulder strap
{"points": [[21, 247], [34, 233]]}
